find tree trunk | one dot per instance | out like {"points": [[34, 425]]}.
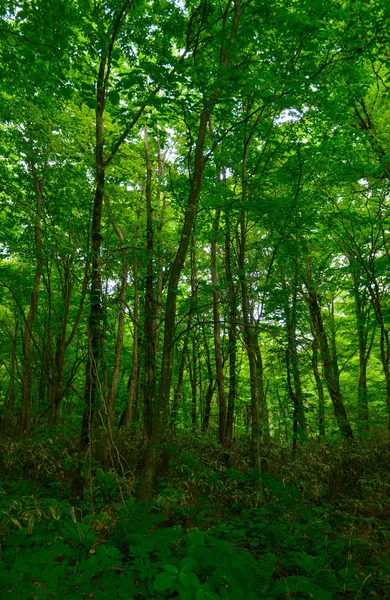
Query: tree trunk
{"points": [[384, 340], [127, 414], [211, 386], [149, 321], [193, 365], [57, 368], [331, 374], [263, 408], [250, 343], [161, 207], [320, 388], [217, 331], [27, 336], [192, 368], [177, 397], [95, 315], [292, 367], [207, 405], [10, 402], [114, 380], [160, 418], [232, 344], [362, 313]]}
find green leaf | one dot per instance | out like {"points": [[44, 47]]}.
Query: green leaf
{"points": [[91, 102], [187, 564], [164, 581], [170, 568], [323, 595], [66, 92], [114, 97], [184, 594], [183, 578], [193, 579]]}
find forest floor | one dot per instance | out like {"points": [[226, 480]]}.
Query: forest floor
{"points": [[313, 527]]}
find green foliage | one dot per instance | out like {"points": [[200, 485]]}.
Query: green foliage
{"points": [[295, 534]]}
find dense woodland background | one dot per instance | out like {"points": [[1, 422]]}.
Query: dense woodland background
{"points": [[195, 298]]}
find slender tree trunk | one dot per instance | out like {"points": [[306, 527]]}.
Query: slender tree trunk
{"points": [[12, 369], [320, 387], [177, 397], [192, 369], [57, 369], [250, 343], [250, 333], [217, 331], [292, 366], [114, 380], [207, 404], [211, 386], [27, 336], [362, 323], [127, 414], [384, 344], [149, 322], [161, 208], [331, 374], [384, 339], [263, 407], [232, 345], [193, 365], [95, 315]]}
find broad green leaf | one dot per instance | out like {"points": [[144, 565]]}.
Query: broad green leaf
{"points": [[164, 581], [170, 568], [187, 564], [183, 578], [114, 97]]}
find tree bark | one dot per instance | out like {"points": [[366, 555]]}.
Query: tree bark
{"points": [[217, 331], [126, 417], [232, 344], [95, 315], [292, 366], [331, 374], [11, 396], [177, 397], [320, 387], [193, 372], [24, 423], [149, 321], [250, 343], [362, 312]]}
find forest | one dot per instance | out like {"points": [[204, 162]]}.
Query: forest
{"points": [[194, 299]]}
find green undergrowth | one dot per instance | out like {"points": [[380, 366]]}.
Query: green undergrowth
{"points": [[315, 527]]}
